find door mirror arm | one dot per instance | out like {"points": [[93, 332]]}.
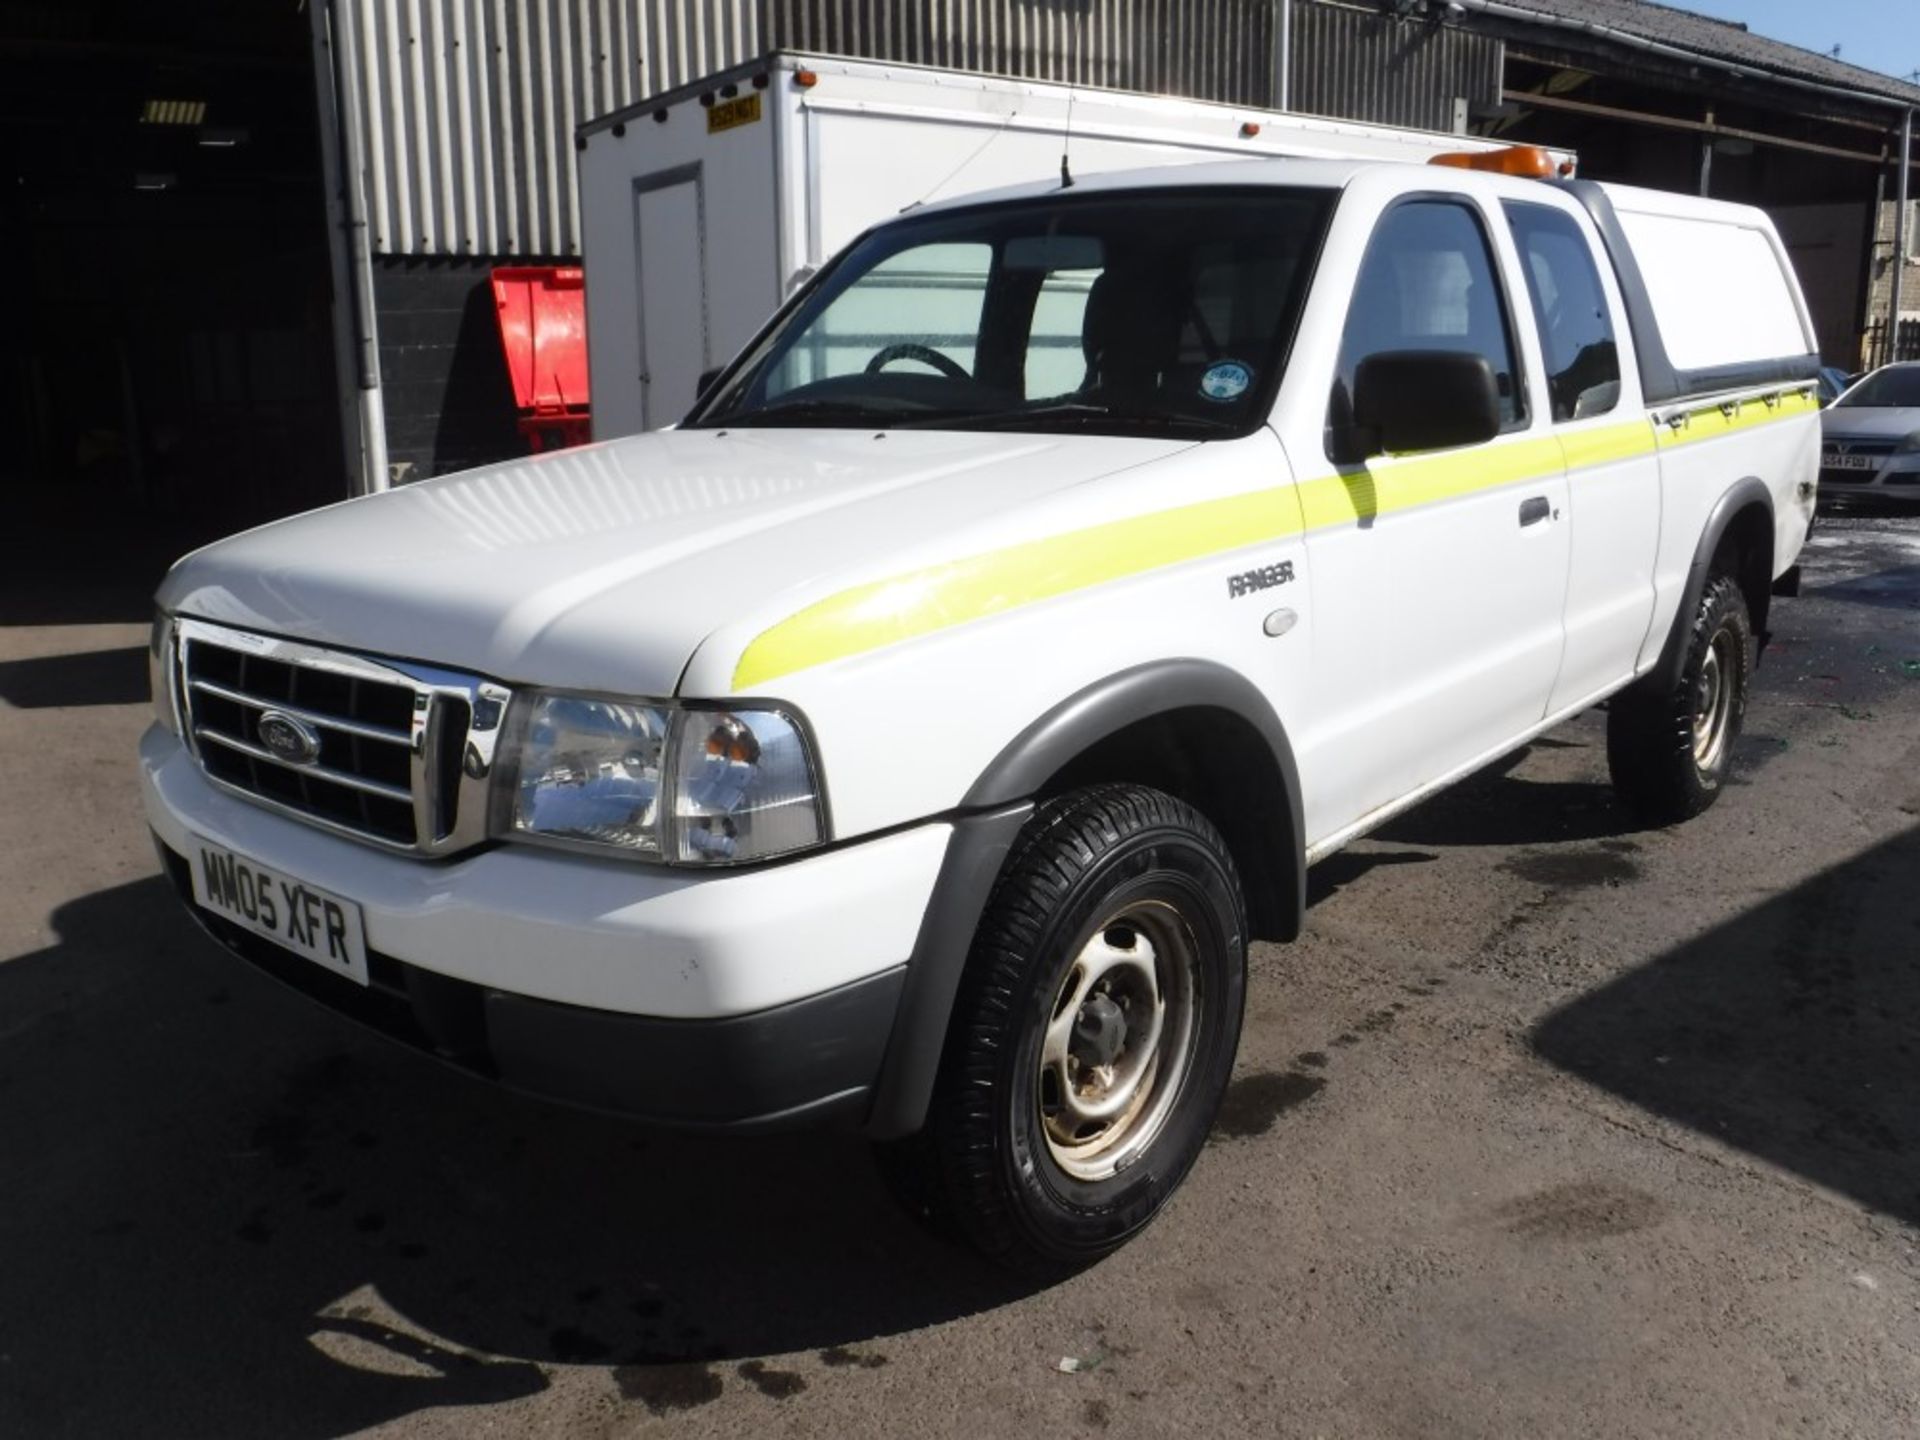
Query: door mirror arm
{"points": [[1353, 444]]}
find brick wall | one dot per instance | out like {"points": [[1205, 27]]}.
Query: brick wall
{"points": [[1880, 289], [449, 401]]}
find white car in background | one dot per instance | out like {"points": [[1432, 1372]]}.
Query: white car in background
{"points": [[1870, 439]]}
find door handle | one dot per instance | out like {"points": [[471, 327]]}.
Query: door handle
{"points": [[1534, 510]]}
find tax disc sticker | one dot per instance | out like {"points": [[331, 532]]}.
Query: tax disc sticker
{"points": [[1226, 381]]}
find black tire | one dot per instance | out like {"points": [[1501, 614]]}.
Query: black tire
{"points": [[1093, 875], [1669, 751]]}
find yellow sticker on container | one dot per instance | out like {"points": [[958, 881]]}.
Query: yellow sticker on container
{"points": [[727, 114]]}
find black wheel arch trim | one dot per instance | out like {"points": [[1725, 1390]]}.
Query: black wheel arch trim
{"points": [[991, 815], [1745, 494], [975, 855], [1109, 706], [1142, 692]]}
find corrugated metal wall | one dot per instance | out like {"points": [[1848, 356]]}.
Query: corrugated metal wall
{"points": [[468, 107], [1358, 64]]}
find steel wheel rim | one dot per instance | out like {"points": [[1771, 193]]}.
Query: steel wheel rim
{"points": [[1713, 701], [1100, 1107]]}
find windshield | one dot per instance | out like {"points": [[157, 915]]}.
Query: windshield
{"points": [[1896, 387], [1144, 313]]}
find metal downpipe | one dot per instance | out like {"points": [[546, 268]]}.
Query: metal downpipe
{"points": [[1282, 55], [1900, 237], [352, 162]]}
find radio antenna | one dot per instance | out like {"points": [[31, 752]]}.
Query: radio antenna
{"points": [[1066, 144]]}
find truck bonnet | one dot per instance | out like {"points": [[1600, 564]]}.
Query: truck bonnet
{"points": [[603, 568]]}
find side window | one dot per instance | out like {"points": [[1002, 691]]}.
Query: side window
{"points": [[1576, 330], [1428, 283]]}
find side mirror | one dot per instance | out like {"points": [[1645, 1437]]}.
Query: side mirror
{"points": [[706, 382], [1412, 400]]}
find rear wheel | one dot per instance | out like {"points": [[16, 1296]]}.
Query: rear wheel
{"points": [[1092, 1037], [1669, 751]]}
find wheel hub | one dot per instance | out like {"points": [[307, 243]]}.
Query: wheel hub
{"points": [[1099, 1031], [1713, 700], [1115, 1048]]}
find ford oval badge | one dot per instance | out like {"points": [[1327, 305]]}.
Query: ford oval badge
{"points": [[288, 739]]}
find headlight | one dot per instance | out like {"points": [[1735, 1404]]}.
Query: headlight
{"points": [[590, 771], [160, 671], [1908, 445], [687, 785]]}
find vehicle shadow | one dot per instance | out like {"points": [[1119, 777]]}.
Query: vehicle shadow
{"points": [[228, 1212], [88, 677], [1790, 1031], [1346, 867], [1496, 807]]}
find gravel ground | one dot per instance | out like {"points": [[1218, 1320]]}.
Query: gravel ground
{"points": [[1549, 1126]]}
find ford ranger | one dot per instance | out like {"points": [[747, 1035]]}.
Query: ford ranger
{"points": [[920, 732]]}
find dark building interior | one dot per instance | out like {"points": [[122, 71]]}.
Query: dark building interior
{"points": [[167, 365], [1817, 164]]}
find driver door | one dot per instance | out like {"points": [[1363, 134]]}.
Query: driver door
{"points": [[1439, 579]]}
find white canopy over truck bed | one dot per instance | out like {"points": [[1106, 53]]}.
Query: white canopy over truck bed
{"points": [[704, 208]]}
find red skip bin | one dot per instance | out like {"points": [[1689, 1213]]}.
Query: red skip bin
{"points": [[543, 329]]}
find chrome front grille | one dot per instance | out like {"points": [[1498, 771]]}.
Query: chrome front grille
{"points": [[386, 751]]}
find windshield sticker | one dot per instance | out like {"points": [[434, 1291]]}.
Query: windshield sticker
{"points": [[1226, 381]]}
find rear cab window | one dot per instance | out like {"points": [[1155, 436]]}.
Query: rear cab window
{"points": [[1570, 307]]}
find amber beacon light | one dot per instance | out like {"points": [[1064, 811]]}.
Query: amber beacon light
{"points": [[1528, 161]]}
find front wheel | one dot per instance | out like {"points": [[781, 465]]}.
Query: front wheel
{"points": [[1669, 752], [1092, 1037]]}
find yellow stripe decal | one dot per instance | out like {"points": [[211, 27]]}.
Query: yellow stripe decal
{"points": [[902, 607], [1604, 445], [1341, 499]]}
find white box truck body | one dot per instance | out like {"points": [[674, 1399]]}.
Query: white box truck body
{"points": [[703, 209]]}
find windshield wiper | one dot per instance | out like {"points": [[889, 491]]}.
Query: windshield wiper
{"points": [[808, 412], [1078, 413]]}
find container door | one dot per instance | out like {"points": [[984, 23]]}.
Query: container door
{"points": [[670, 253]]}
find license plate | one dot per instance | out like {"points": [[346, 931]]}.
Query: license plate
{"points": [[296, 916], [730, 114], [1850, 462]]}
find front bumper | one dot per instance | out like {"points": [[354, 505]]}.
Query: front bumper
{"points": [[746, 997], [1895, 478], [1903, 494]]}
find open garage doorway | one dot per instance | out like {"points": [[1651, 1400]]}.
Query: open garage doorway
{"points": [[166, 357]]}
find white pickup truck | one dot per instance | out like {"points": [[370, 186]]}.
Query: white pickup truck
{"points": [[920, 732]]}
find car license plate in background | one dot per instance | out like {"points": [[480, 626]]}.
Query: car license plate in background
{"points": [[294, 915], [1834, 461]]}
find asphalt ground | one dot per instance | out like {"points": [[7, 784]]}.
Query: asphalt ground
{"points": [[1549, 1126]]}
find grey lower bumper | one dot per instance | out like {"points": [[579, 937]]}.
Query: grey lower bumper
{"points": [[795, 1063]]}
